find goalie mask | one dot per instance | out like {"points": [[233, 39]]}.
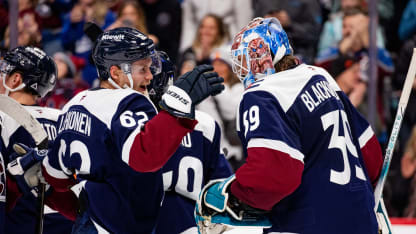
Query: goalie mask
{"points": [[257, 48], [163, 80], [37, 69], [122, 47]]}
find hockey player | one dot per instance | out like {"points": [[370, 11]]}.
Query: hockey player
{"points": [[114, 142], [27, 74], [312, 159], [197, 161]]}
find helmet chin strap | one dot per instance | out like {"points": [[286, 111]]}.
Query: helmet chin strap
{"points": [[113, 83], [8, 89], [125, 68]]}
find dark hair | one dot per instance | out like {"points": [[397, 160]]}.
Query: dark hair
{"points": [[354, 11], [287, 62]]}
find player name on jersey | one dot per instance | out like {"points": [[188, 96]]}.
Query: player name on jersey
{"points": [[318, 93], [76, 121]]}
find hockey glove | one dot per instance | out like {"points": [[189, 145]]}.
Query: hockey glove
{"points": [[25, 167], [217, 207], [189, 90]]}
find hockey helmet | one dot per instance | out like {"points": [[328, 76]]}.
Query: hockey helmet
{"points": [[38, 70], [257, 48], [163, 80], [121, 47]]}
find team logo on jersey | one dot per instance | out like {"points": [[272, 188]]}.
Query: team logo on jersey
{"points": [[82, 98]]}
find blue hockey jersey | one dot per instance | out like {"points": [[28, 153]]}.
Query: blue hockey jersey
{"points": [[307, 148], [106, 141], [22, 218], [198, 160]]}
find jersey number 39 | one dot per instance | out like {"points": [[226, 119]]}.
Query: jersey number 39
{"points": [[344, 143]]}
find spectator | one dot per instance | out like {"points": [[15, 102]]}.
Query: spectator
{"points": [[396, 192], [163, 19], [211, 34], [332, 30], [350, 79], [68, 84], [407, 25], [408, 169], [223, 107], [131, 14], [301, 19], [354, 47], [50, 13], [73, 37], [235, 14], [28, 32]]}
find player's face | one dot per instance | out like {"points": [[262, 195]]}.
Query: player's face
{"points": [[141, 74]]}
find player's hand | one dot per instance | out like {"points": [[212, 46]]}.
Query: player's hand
{"points": [[25, 167], [25, 157], [218, 209], [190, 89]]}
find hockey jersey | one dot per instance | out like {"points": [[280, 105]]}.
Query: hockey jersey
{"points": [[22, 218], [106, 141], [309, 154], [198, 160]]}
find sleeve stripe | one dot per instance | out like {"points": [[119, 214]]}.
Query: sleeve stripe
{"points": [[276, 145], [367, 134], [52, 171], [125, 154]]}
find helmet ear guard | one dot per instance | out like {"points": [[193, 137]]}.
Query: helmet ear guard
{"points": [[161, 80], [257, 48], [38, 70]]}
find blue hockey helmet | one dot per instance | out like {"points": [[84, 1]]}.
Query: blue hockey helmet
{"points": [[38, 70], [121, 47], [160, 82], [257, 48]]}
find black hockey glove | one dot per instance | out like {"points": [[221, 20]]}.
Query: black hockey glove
{"points": [[190, 89]]}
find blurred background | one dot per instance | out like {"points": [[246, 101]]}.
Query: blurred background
{"points": [[365, 45]]}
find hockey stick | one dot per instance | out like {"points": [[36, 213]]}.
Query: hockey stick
{"points": [[16, 111], [404, 98], [92, 30]]}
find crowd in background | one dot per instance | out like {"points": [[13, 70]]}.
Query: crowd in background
{"points": [[333, 34]]}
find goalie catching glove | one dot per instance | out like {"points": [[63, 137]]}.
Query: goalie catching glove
{"points": [[25, 167], [190, 89], [218, 210]]}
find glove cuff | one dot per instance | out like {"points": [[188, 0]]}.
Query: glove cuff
{"points": [[15, 168], [212, 200], [177, 99]]}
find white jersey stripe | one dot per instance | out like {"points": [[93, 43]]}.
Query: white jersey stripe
{"points": [[52, 171], [125, 154], [276, 145], [367, 134]]}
